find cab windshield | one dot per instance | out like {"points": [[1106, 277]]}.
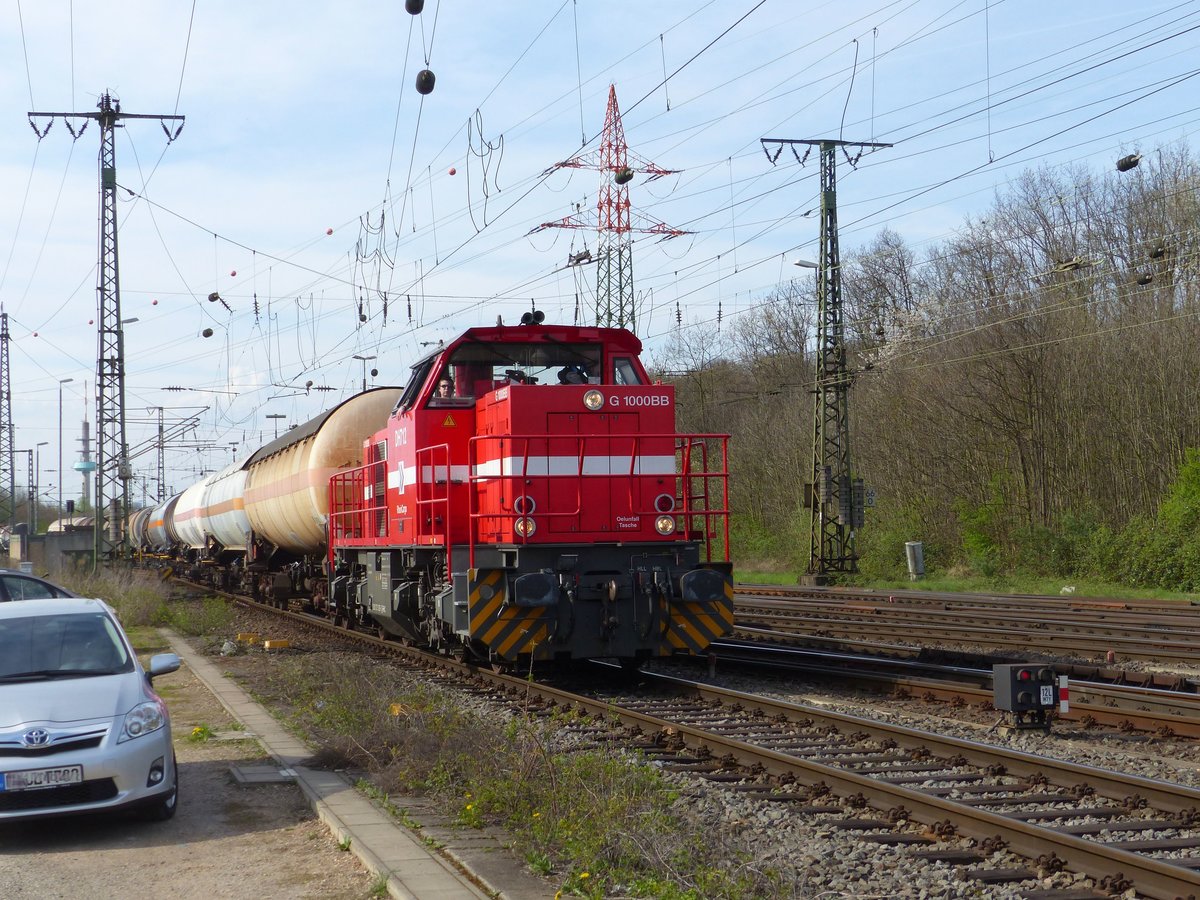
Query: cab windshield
{"points": [[475, 368]]}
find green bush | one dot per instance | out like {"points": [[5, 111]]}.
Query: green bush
{"points": [[984, 530], [757, 545], [880, 545]]}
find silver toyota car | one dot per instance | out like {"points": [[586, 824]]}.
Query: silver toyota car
{"points": [[81, 729]]}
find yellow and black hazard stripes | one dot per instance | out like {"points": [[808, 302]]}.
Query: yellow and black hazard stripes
{"points": [[508, 631], [693, 626]]}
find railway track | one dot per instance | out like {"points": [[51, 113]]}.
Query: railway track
{"points": [[1149, 630], [940, 798], [1129, 708], [1057, 814]]}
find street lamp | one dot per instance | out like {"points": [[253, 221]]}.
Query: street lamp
{"points": [[364, 364], [29, 486], [61, 382], [37, 476], [276, 417]]}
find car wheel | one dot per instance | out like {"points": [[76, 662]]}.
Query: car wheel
{"points": [[163, 808]]}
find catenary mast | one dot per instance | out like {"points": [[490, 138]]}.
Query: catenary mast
{"points": [[112, 455]]}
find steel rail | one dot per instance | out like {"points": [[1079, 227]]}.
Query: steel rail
{"points": [[1128, 706], [991, 637]]}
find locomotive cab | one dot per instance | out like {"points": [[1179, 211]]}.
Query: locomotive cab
{"points": [[530, 499]]}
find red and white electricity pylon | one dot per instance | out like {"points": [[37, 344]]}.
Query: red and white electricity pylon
{"points": [[614, 218]]}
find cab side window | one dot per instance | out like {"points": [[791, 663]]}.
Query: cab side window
{"points": [[624, 372]]}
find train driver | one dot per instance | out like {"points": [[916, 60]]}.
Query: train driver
{"points": [[573, 374], [445, 387]]}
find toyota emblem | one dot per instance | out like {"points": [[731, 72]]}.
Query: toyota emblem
{"points": [[36, 737]]}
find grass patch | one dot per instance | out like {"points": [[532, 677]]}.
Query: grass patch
{"points": [[1001, 583], [143, 600], [147, 640], [200, 618], [139, 598], [599, 822]]}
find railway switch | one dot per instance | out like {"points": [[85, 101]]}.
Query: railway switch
{"points": [[1027, 690]]}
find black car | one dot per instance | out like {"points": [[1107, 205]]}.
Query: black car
{"points": [[19, 586]]}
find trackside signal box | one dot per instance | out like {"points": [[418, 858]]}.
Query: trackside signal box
{"points": [[1027, 690]]}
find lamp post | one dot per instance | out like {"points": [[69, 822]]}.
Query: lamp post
{"points": [[29, 490], [364, 367], [37, 476], [61, 382], [809, 264], [276, 417]]}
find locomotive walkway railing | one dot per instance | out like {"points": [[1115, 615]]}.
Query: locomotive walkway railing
{"points": [[597, 487]]}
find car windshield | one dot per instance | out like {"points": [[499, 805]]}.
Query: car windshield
{"points": [[61, 646]]}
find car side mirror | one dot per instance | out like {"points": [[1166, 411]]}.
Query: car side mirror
{"points": [[161, 664]]}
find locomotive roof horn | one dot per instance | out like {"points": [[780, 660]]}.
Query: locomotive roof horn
{"points": [[537, 317]]}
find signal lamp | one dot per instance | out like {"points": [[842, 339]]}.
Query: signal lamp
{"points": [[525, 505], [593, 400], [524, 527], [664, 524], [664, 503]]}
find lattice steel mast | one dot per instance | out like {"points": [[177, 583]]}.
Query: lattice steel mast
{"points": [[112, 459], [614, 221], [8, 468], [836, 512]]}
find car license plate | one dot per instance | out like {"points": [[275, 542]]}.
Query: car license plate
{"points": [[40, 778]]}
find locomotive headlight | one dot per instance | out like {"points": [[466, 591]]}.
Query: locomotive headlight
{"points": [[593, 400], [524, 527], [664, 524]]}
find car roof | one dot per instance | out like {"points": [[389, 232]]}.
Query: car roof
{"points": [[53, 606]]}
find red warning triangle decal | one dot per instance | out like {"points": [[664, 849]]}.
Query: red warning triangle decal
{"points": [[448, 422]]}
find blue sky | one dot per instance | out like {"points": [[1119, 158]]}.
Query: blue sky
{"points": [[302, 118]]}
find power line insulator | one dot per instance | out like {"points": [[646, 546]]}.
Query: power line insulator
{"points": [[207, 332], [425, 80], [214, 297], [1158, 251], [414, 7], [623, 175], [1145, 278], [1125, 163]]}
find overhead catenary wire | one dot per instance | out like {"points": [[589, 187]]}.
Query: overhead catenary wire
{"points": [[733, 213]]}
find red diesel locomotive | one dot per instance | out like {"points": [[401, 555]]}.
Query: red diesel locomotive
{"points": [[530, 499]]}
